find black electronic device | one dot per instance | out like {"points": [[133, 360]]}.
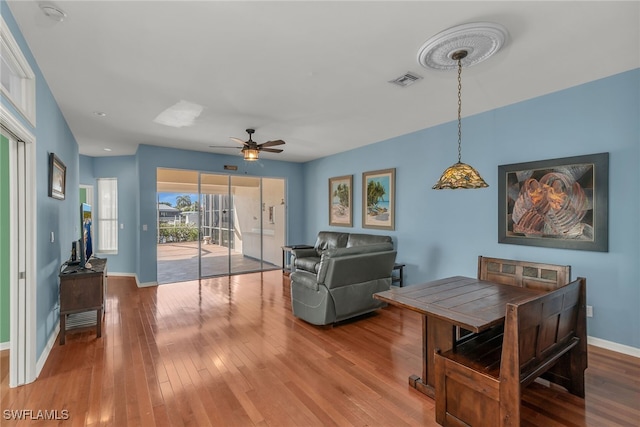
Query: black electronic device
{"points": [[75, 251], [86, 238]]}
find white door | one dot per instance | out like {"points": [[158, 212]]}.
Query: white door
{"points": [[21, 259]]}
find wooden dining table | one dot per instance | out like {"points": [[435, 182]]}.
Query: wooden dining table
{"points": [[449, 305]]}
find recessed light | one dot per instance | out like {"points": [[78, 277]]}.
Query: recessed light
{"points": [[53, 12], [107, 149], [100, 113]]}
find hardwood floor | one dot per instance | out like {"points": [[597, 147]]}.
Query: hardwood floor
{"points": [[228, 352]]}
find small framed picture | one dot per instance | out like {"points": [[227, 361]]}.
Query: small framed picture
{"points": [[378, 199], [341, 201], [57, 177]]}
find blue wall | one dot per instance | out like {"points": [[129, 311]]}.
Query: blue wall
{"points": [[62, 217], [137, 181], [441, 233], [124, 169]]}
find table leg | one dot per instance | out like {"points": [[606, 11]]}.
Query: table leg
{"points": [[63, 328], [98, 323], [437, 335]]}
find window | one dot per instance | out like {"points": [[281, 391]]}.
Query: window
{"points": [[107, 215], [17, 80]]}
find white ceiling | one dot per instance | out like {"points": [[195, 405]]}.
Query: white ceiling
{"points": [[314, 74]]}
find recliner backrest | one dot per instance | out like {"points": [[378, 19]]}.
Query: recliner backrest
{"points": [[356, 239], [330, 240]]}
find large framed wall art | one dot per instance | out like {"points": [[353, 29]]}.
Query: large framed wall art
{"points": [[378, 199], [341, 201], [557, 203]]}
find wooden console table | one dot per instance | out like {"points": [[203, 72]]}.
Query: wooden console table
{"points": [[81, 290]]}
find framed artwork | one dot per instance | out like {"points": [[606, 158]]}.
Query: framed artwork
{"points": [[57, 177], [378, 199], [558, 203], [341, 201]]}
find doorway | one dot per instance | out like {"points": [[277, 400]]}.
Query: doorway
{"points": [[17, 217], [218, 224]]}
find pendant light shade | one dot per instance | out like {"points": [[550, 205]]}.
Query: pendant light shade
{"points": [[460, 175]]}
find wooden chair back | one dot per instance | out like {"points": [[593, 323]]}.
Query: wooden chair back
{"points": [[526, 274], [543, 329], [480, 381]]}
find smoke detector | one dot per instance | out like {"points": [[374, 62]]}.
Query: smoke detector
{"points": [[53, 12], [480, 40]]}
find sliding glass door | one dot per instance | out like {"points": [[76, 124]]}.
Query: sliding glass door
{"points": [[240, 222]]}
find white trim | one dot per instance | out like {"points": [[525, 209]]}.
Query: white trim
{"points": [[146, 284], [47, 350], [4, 346], [22, 341], [613, 346], [28, 110], [14, 126], [32, 275], [135, 276]]}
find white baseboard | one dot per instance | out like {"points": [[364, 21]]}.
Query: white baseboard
{"points": [[4, 345], [613, 346], [47, 349], [146, 284], [135, 276]]}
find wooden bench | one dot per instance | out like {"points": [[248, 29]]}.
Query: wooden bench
{"points": [[480, 381], [527, 274]]}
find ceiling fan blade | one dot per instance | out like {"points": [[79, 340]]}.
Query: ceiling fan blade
{"points": [[272, 150], [224, 146], [238, 140], [272, 143]]}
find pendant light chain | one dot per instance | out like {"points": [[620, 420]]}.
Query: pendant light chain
{"points": [[460, 175], [459, 110]]}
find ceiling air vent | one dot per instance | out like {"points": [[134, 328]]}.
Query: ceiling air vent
{"points": [[406, 79]]}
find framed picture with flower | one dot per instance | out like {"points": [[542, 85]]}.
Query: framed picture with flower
{"points": [[557, 203]]}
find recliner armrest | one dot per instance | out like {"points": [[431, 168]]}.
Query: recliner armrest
{"points": [[306, 279], [306, 252]]}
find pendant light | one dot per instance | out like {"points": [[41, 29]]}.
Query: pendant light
{"points": [[460, 175], [469, 43]]}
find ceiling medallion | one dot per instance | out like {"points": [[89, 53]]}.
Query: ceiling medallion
{"points": [[480, 40]]}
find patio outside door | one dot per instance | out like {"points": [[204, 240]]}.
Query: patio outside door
{"points": [[238, 223], [234, 224]]}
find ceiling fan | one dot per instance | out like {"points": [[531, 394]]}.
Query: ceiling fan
{"points": [[251, 149]]}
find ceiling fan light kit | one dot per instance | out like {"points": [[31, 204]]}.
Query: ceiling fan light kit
{"points": [[251, 149], [250, 154], [466, 44]]}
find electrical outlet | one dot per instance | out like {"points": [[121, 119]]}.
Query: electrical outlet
{"points": [[589, 311]]}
